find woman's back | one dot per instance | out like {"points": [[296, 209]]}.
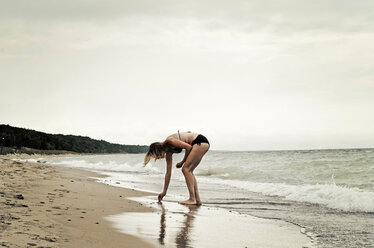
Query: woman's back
{"points": [[186, 137]]}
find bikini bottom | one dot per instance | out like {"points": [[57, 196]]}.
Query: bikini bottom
{"points": [[200, 139]]}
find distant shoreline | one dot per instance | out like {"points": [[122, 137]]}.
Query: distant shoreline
{"points": [[31, 151], [15, 138]]}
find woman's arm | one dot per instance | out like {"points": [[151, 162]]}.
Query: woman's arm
{"points": [[169, 162], [180, 144], [180, 164], [183, 145]]}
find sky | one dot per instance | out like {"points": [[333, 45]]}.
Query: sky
{"points": [[249, 75]]}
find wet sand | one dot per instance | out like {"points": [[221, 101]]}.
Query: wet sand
{"points": [[50, 206], [175, 225], [45, 206]]}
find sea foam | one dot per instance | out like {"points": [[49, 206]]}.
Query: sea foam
{"points": [[101, 165], [271, 174], [330, 195]]}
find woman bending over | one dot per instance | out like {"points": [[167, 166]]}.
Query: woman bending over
{"points": [[196, 145]]}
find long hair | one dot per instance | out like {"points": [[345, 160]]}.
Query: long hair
{"points": [[157, 149]]}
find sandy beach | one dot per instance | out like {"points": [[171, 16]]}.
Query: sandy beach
{"points": [[45, 206], [52, 206]]}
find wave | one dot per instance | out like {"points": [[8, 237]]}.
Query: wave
{"points": [[346, 198], [104, 166], [330, 195]]}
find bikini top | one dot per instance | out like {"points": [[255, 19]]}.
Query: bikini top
{"points": [[177, 149]]}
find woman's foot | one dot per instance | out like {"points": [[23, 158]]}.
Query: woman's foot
{"points": [[191, 202], [188, 202]]}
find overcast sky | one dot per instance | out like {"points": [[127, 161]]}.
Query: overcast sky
{"points": [[249, 75]]}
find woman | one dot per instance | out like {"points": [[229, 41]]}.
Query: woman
{"points": [[196, 145]]}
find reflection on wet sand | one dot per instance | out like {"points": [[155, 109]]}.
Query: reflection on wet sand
{"points": [[175, 225], [182, 239], [162, 225]]}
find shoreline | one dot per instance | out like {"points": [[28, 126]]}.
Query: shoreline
{"points": [[49, 206], [68, 207], [176, 225]]}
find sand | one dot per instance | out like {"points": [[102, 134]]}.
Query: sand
{"points": [[45, 206], [50, 206], [176, 225]]}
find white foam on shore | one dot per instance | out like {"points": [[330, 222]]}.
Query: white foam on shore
{"points": [[175, 225], [102, 166], [330, 195]]}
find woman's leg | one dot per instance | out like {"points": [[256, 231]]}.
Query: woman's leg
{"points": [[197, 196], [191, 163], [190, 186]]}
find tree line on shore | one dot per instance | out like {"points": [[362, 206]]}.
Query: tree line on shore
{"points": [[13, 139]]}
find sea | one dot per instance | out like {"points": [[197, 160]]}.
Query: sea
{"points": [[329, 194]]}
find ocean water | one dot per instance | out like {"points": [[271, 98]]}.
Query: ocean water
{"points": [[328, 193]]}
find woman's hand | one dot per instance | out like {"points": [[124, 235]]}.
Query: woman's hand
{"points": [[160, 196], [180, 164]]}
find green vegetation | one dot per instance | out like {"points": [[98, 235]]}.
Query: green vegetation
{"points": [[14, 139]]}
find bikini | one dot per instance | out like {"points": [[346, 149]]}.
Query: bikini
{"points": [[198, 140]]}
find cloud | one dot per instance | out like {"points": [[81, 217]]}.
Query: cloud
{"points": [[31, 26], [268, 67], [274, 15]]}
